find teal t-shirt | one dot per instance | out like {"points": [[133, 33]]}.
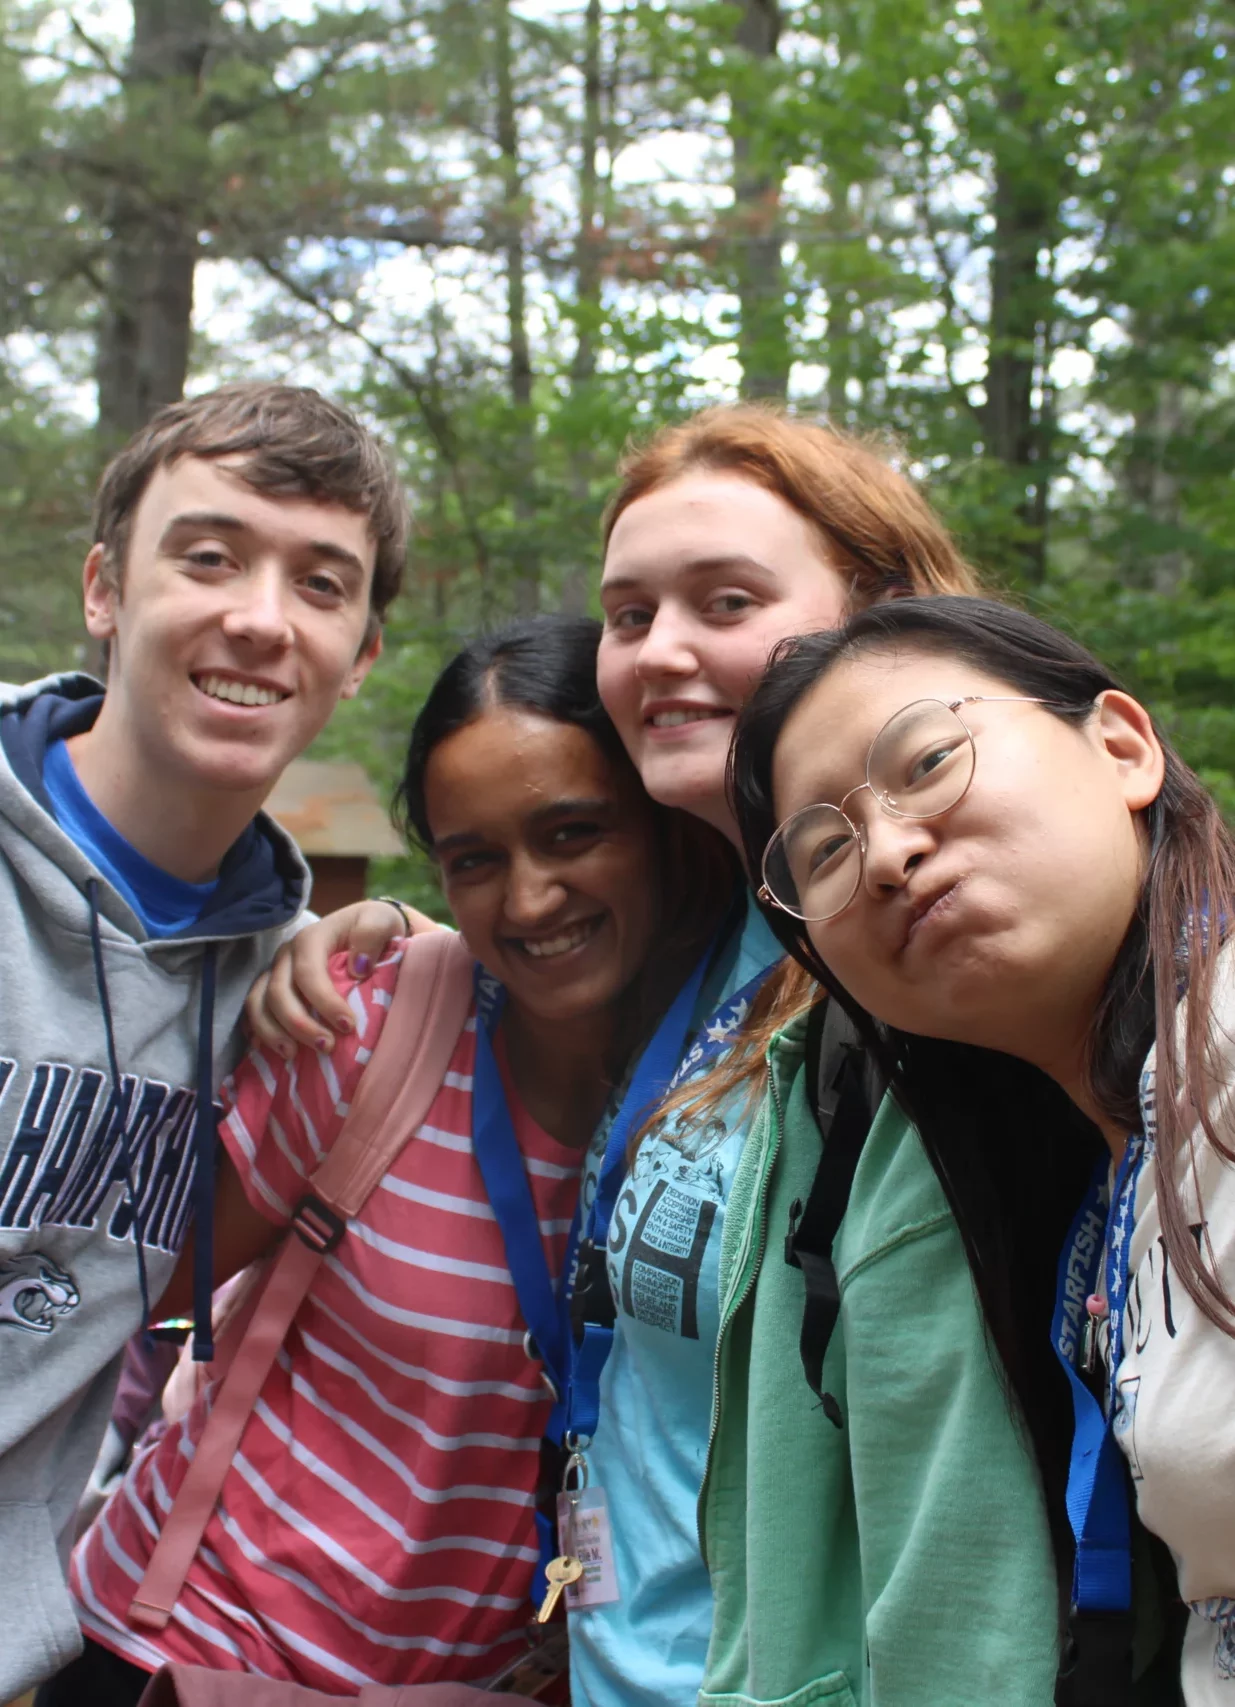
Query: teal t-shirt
{"points": [[648, 1648]]}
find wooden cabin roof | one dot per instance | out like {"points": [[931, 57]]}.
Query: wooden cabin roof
{"points": [[332, 808]]}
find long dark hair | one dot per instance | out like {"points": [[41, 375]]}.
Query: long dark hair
{"points": [[547, 665], [1013, 1152]]}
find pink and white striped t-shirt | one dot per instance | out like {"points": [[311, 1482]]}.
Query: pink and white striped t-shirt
{"points": [[376, 1525]]}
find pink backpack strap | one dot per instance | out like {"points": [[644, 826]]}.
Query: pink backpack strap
{"points": [[428, 1010]]}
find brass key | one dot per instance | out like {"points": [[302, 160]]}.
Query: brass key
{"points": [[559, 1572]]}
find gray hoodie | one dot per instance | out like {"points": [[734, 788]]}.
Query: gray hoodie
{"points": [[69, 1287]]}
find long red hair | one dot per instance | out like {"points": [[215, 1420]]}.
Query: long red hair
{"points": [[874, 524]]}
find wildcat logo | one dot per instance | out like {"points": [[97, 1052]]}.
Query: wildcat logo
{"points": [[33, 1292]]}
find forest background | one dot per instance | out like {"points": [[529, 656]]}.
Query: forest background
{"points": [[999, 232]]}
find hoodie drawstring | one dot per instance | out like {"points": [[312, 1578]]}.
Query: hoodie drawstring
{"points": [[205, 1140], [126, 1154], [205, 1137]]}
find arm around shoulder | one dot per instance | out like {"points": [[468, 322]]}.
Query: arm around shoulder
{"points": [[298, 1001]]}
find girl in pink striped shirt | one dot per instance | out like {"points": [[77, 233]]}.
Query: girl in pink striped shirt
{"points": [[377, 1522]]}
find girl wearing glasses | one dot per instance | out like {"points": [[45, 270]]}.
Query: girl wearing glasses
{"points": [[1022, 896], [873, 1562]]}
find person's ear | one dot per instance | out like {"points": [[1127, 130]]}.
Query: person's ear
{"points": [[1126, 732], [365, 660], [100, 595]]}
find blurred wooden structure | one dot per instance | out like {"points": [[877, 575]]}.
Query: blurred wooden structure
{"points": [[333, 813]]}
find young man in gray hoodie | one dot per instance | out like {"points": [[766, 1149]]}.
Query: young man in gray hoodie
{"points": [[247, 544]]}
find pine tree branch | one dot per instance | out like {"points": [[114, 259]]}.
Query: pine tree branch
{"points": [[435, 418], [96, 48]]}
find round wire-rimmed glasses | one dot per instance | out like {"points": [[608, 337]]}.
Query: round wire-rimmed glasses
{"points": [[919, 765]]}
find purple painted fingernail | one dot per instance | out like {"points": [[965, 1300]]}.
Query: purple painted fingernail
{"points": [[321, 1044], [344, 1026], [363, 965]]}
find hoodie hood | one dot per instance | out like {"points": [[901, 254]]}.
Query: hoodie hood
{"points": [[263, 880]]}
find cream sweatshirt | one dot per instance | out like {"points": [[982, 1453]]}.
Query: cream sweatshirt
{"points": [[1175, 1409]]}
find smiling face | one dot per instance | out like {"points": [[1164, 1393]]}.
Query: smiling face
{"points": [[546, 850], [237, 625], [702, 578], [997, 922]]}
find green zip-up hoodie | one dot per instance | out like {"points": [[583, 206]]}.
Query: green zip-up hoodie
{"points": [[904, 1559]]}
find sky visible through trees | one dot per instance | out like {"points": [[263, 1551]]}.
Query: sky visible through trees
{"points": [[996, 232]]}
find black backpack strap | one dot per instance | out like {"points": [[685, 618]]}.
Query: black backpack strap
{"points": [[1095, 1669], [843, 1097]]}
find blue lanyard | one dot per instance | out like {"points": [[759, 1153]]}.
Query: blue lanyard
{"points": [[576, 1416], [661, 1067], [1097, 1496], [546, 1308], [573, 1366], [719, 1030], [502, 1168]]}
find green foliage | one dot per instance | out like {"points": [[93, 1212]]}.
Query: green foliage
{"points": [[1177, 653], [47, 471], [515, 235]]}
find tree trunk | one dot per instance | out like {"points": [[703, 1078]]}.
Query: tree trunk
{"points": [[577, 578], [763, 336], [839, 341], [1152, 483], [1016, 431], [146, 317], [523, 553], [587, 244]]}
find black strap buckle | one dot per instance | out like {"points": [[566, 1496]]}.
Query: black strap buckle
{"points": [[591, 1302], [791, 1237], [316, 1224], [1096, 1667]]}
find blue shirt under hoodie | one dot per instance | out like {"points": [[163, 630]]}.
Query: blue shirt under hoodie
{"points": [[112, 1039], [164, 904]]}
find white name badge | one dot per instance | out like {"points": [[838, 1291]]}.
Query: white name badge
{"points": [[583, 1534]]}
